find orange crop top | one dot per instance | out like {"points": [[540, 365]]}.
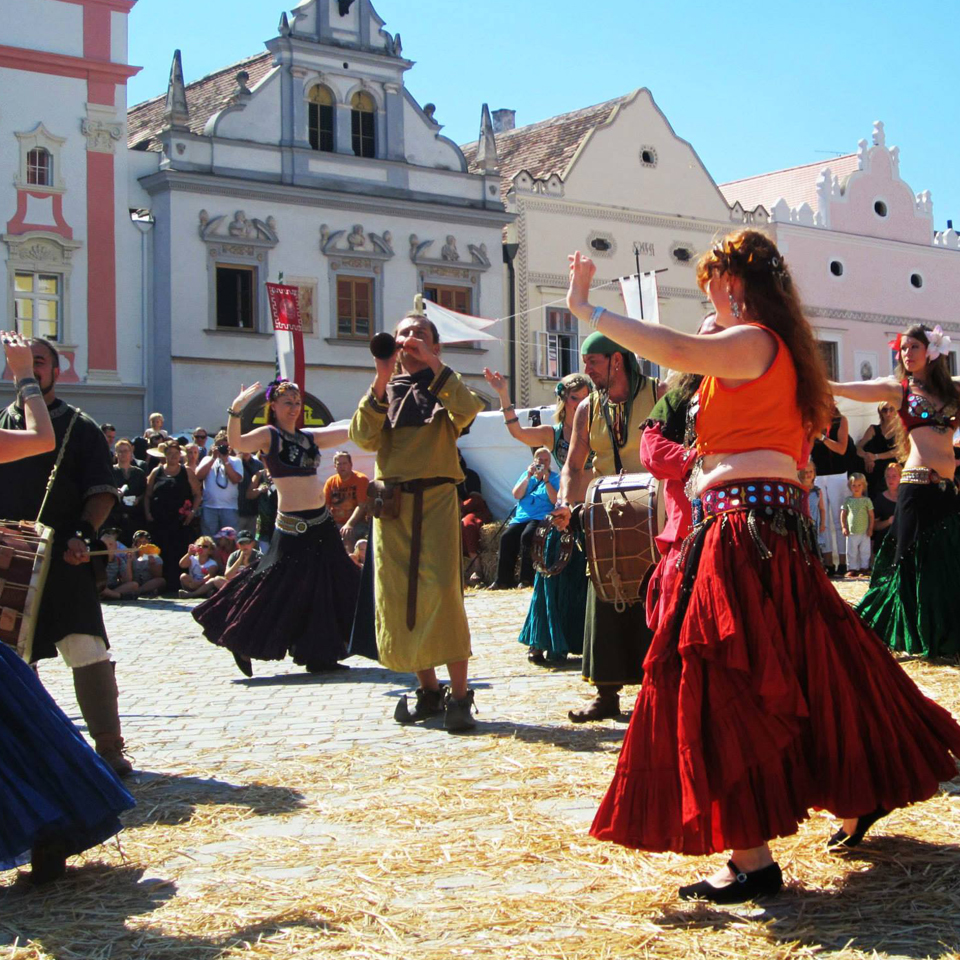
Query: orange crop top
{"points": [[759, 415]]}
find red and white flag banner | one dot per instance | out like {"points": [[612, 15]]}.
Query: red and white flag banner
{"points": [[288, 331]]}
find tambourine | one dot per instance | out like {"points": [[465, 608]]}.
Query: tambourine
{"points": [[568, 540]]}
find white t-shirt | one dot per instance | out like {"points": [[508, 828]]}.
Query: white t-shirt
{"points": [[219, 490], [199, 570]]}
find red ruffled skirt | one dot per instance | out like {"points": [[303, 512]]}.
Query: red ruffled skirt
{"points": [[764, 695]]}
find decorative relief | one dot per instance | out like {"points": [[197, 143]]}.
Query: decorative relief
{"points": [[102, 136], [625, 216], [357, 263], [254, 233], [479, 259], [376, 246], [40, 250]]}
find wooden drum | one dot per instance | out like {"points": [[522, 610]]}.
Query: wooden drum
{"points": [[26, 549], [620, 520]]}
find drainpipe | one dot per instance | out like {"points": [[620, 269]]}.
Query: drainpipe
{"points": [[143, 220], [509, 255]]}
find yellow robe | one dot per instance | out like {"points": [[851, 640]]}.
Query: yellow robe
{"points": [[441, 634]]}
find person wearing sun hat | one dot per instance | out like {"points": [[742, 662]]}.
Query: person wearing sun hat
{"points": [[608, 422]]}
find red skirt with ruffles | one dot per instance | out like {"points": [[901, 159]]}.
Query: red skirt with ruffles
{"points": [[764, 695]]}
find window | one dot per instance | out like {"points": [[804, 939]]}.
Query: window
{"points": [[36, 304], [40, 167], [830, 351], [916, 280], [453, 298], [836, 268], [559, 346], [236, 286], [354, 307], [880, 208], [320, 118], [363, 119]]}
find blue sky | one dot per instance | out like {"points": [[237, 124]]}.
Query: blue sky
{"points": [[754, 86]]}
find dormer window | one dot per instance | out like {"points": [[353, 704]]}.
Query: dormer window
{"points": [[39, 167], [320, 118], [363, 122]]}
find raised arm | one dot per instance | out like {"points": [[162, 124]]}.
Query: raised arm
{"points": [[541, 436], [883, 389], [38, 436], [332, 436], [843, 435], [253, 442], [739, 353]]}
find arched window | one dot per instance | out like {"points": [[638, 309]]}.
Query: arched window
{"points": [[320, 118], [40, 167], [363, 120]]}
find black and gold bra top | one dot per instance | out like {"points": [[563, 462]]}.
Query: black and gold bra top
{"points": [[291, 454], [917, 411]]}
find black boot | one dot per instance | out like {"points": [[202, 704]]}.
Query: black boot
{"points": [[458, 714], [429, 704], [48, 861], [604, 706], [747, 886], [96, 689]]}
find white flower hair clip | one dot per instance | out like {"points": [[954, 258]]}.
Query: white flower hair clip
{"points": [[939, 343]]}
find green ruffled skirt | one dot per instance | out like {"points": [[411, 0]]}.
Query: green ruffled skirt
{"points": [[913, 601], [554, 621]]}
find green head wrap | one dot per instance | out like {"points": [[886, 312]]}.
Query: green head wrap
{"points": [[598, 343]]}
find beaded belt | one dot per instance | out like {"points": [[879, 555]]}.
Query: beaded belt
{"points": [[290, 523], [919, 475], [750, 495]]}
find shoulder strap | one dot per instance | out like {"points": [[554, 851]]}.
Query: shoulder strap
{"points": [[56, 466], [617, 462]]}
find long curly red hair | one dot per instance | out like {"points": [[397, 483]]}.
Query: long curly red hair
{"points": [[770, 297]]}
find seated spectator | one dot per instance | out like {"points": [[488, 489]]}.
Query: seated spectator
{"points": [[200, 569], [885, 504], [536, 493], [342, 494], [474, 513], [226, 545], [471, 480], [110, 433], [131, 483], [120, 582], [359, 554], [264, 491], [246, 555], [147, 565], [220, 473]]}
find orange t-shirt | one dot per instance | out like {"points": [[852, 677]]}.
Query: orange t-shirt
{"points": [[342, 496], [759, 415]]}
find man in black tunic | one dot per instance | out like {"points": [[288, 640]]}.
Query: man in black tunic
{"points": [[70, 621]]}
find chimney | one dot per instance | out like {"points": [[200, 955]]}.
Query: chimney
{"points": [[504, 120]]}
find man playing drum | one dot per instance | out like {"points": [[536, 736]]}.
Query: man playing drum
{"points": [[607, 422], [70, 621]]}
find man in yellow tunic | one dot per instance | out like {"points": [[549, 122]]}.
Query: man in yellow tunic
{"points": [[608, 422], [412, 417]]}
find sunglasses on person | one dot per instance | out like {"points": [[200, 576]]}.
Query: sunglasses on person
{"points": [[199, 436]]}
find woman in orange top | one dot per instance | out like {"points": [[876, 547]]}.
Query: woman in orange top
{"points": [[763, 695]]}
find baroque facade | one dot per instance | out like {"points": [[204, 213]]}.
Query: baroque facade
{"points": [[311, 161], [72, 252], [615, 181]]}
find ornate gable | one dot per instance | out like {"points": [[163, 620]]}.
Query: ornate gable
{"points": [[345, 23]]}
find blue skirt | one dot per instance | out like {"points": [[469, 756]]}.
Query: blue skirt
{"points": [[53, 787], [555, 619]]}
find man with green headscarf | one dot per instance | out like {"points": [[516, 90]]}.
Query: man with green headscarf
{"points": [[609, 423]]}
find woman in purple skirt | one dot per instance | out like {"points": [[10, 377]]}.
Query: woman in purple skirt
{"points": [[300, 598]]}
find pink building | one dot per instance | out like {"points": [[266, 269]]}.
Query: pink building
{"points": [[863, 250]]}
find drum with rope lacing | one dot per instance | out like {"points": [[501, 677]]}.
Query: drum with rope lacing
{"points": [[620, 520]]}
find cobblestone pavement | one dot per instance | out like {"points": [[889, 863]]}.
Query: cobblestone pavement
{"points": [[287, 814]]}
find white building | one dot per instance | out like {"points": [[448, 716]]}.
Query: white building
{"points": [[314, 161], [72, 253]]}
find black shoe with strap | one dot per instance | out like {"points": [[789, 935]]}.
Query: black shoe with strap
{"points": [[764, 882], [430, 703], [842, 840]]}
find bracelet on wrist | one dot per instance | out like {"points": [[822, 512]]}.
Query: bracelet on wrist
{"points": [[511, 420], [596, 315], [509, 406], [30, 392], [233, 413], [24, 381]]}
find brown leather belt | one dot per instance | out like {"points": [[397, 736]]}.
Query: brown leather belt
{"points": [[416, 487]]}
